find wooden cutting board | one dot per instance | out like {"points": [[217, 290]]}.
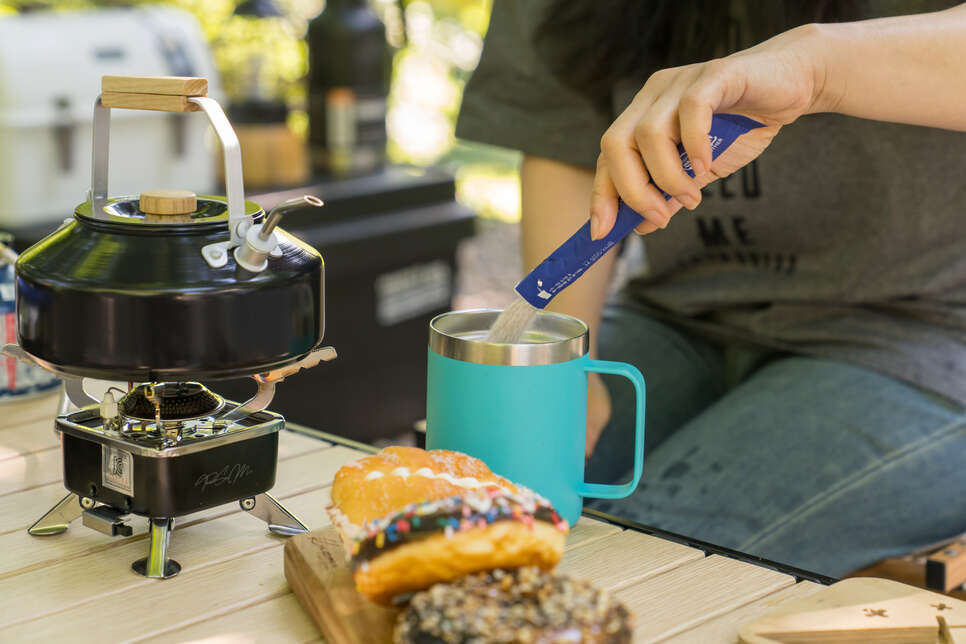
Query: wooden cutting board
{"points": [[863, 609], [317, 570]]}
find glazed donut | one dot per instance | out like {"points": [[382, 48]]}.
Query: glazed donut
{"points": [[375, 486], [523, 605], [442, 540]]}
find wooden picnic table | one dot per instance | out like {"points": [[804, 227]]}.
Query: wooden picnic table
{"points": [[79, 586]]}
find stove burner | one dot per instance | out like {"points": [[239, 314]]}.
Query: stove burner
{"points": [[175, 401]]}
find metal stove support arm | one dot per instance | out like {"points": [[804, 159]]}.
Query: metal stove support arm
{"points": [[58, 518], [261, 400], [268, 509], [266, 383]]}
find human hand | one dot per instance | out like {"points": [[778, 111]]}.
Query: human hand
{"points": [[598, 411], [774, 83]]}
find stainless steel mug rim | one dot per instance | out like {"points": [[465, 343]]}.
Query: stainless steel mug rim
{"points": [[460, 335]]}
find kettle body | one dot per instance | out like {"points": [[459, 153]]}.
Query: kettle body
{"points": [[130, 296]]}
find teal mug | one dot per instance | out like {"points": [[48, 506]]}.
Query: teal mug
{"points": [[522, 408]]}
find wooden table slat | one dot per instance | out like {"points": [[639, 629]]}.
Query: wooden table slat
{"points": [[588, 530], [23, 552], [291, 444], [70, 583], [28, 471], [29, 438], [625, 558], [276, 621], [214, 590], [16, 412], [696, 592], [725, 627]]}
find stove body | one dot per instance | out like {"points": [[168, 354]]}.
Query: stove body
{"points": [[181, 466]]}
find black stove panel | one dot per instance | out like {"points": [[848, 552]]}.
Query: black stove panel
{"points": [[169, 487]]}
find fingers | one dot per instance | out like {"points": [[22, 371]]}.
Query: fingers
{"points": [[696, 106], [642, 145], [694, 123], [656, 138], [603, 202], [629, 176], [646, 228]]}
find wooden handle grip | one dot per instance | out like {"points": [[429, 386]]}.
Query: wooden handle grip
{"points": [[162, 93], [167, 85]]}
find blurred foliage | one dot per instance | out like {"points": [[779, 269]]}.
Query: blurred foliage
{"points": [[438, 46]]}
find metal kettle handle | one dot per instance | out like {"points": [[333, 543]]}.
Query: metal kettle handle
{"points": [[168, 94]]}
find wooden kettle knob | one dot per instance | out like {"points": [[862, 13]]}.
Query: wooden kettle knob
{"points": [[168, 202], [163, 93]]}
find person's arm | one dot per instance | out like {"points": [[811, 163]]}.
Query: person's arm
{"points": [[555, 202], [905, 69]]}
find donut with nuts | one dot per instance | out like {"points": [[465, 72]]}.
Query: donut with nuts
{"points": [[522, 605]]}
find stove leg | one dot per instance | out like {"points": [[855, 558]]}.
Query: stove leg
{"points": [[58, 517], [279, 520], [156, 564]]}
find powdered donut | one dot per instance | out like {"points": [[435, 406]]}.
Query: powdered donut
{"points": [[374, 486]]}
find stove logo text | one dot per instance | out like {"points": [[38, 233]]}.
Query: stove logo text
{"points": [[228, 475]]}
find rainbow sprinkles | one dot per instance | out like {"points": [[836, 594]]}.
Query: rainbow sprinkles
{"points": [[450, 516]]}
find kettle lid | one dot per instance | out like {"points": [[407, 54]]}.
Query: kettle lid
{"points": [[166, 208]]}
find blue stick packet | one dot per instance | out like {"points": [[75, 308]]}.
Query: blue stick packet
{"points": [[580, 252]]}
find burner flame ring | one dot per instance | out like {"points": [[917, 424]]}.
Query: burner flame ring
{"points": [[172, 401]]}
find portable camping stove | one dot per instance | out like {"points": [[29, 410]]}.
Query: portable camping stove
{"points": [[164, 450]]}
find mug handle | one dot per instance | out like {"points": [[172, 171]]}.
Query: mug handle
{"points": [[632, 373]]}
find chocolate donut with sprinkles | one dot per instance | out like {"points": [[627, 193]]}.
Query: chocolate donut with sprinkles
{"points": [[410, 518]]}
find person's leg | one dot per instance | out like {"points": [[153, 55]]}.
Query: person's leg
{"points": [[813, 463], [683, 375]]}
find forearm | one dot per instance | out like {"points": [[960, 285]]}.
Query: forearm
{"points": [[556, 202], [906, 69]]}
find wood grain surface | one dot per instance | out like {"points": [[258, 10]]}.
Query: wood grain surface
{"points": [[155, 102], [169, 85], [862, 609]]}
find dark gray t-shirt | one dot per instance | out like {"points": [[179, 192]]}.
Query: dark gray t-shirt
{"points": [[845, 239]]}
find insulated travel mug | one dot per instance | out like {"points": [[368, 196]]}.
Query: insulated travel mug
{"points": [[522, 408]]}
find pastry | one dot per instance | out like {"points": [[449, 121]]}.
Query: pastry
{"points": [[523, 605], [374, 486], [442, 540], [410, 518]]}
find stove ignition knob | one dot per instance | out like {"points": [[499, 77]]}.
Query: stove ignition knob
{"points": [[108, 406]]}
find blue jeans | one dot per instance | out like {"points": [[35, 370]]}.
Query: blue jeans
{"points": [[810, 462]]}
